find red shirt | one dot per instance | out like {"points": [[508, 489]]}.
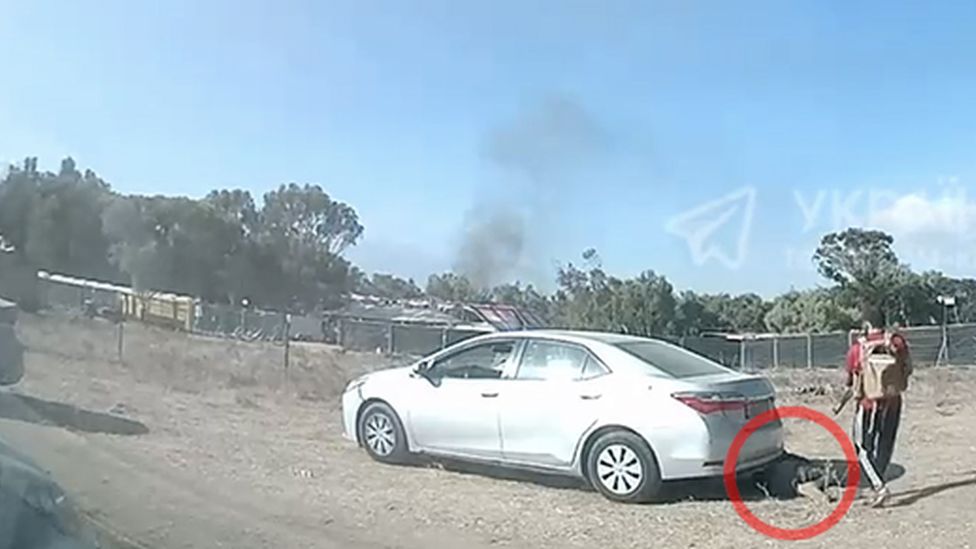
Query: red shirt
{"points": [[854, 359]]}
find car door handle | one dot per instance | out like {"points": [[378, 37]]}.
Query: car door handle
{"points": [[489, 395], [590, 397]]}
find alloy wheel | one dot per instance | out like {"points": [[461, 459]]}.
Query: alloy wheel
{"points": [[619, 469], [380, 435]]}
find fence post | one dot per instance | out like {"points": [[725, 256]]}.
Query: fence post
{"points": [[742, 354], [948, 344], [390, 339], [775, 352], [287, 331], [809, 351], [121, 336]]}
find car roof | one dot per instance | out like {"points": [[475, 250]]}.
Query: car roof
{"points": [[574, 336]]}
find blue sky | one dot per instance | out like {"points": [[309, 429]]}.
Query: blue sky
{"points": [[628, 113]]}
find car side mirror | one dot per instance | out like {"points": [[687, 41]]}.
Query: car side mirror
{"points": [[423, 370]]}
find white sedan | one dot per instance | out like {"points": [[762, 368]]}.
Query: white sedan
{"points": [[625, 413]]}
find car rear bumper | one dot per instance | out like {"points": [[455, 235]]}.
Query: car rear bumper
{"points": [[687, 469], [745, 467], [704, 456]]}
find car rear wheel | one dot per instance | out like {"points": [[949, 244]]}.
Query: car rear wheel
{"points": [[382, 434], [622, 467]]}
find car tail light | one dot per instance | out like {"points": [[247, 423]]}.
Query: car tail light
{"points": [[711, 403]]}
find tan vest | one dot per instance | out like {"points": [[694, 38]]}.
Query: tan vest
{"points": [[883, 374]]}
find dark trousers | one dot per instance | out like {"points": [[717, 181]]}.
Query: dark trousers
{"points": [[875, 430]]}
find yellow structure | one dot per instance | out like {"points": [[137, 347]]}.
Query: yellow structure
{"points": [[162, 308], [175, 311]]}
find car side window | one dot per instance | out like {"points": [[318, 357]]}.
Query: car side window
{"points": [[546, 360], [592, 368], [485, 361]]}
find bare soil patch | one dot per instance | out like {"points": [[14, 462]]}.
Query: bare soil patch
{"points": [[241, 453]]}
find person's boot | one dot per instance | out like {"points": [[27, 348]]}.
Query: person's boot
{"points": [[811, 490]]}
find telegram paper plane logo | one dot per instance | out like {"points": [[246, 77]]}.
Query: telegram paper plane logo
{"points": [[718, 229]]}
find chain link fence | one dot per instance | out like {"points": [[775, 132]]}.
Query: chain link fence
{"points": [[825, 350], [929, 344], [240, 323], [397, 338], [250, 324]]}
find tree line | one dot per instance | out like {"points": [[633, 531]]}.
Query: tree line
{"points": [[285, 252], [865, 282]]}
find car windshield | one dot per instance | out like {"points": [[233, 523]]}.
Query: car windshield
{"points": [[672, 360]]}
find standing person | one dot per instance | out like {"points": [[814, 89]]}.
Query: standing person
{"points": [[878, 368]]}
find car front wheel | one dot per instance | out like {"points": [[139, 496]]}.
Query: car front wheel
{"points": [[621, 466], [382, 434]]}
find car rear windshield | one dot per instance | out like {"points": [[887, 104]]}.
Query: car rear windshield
{"points": [[674, 361]]}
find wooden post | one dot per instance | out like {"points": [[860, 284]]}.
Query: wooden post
{"points": [[287, 333], [809, 351], [120, 330], [948, 346]]}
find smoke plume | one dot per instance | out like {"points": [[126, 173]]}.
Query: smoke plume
{"points": [[492, 245], [510, 227]]}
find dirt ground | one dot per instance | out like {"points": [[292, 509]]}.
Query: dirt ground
{"points": [[224, 448]]}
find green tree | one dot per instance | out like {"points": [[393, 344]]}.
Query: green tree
{"points": [[865, 267], [817, 310], [393, 287], [693, 315], [451, 287], [963, 289], [308, 216], [134, 249], [584, 298], [524, 297], [18, 194], [591, 299], [645, 305], [915, 302], [742, 313], [236, 206], [174, 244], [53, 221], [307, 231]]}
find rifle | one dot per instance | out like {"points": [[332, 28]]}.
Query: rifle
{"points": [[844, 399]]}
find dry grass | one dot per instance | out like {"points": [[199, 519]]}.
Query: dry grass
{"points": [[241, 455], [195, 364]]}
